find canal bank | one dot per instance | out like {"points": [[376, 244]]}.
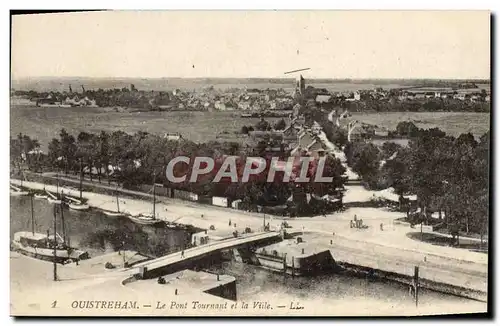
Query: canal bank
{"points": [[366, 255], [340, 294], [313, 254]]}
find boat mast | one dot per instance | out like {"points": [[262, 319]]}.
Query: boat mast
{"points": [[55, 244], [117, 199], [32, 217], [154, 195], [63, 223], [81, 178]]}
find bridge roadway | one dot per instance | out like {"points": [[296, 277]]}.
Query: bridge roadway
{"points": [[180, 261]]}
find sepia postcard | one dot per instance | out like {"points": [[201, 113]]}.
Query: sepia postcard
{"points": [[249, 163]]}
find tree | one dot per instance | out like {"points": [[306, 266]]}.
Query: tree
{"points": [[68, 149], [103, 153], [407, 129], [280, 125], [86, 150], [366, 162], [262, 125], [333, 168]]}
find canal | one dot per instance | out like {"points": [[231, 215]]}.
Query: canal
{"points": [[99, 234]]}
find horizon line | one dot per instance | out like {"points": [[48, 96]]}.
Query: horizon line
{"points": [[221, 77]]}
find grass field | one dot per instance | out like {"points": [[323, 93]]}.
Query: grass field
{"points": [[453, 123], [44, 123]]}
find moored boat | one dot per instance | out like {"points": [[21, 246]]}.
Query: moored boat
{"points": [[41, 246], [144, 219], [15, 191], [44, 246], [40, 196], [148, 219], [18, 193], [54, 200], [78, 207], [113, 214], [76, 204]]}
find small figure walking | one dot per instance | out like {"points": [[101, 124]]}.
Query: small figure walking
{"points": [[182, 254], [381, 226], [229, 222], [411, 291]]}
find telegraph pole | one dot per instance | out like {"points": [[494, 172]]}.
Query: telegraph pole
{"points": [[81, 178], [32, 217], [62, 219], [416, 284], [154, 194], [55, 244]]}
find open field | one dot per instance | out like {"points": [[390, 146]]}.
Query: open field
{"points": [[44, 123], [453, 123]]}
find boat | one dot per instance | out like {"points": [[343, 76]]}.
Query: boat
{"points": [[18, 193], [53, 199], [147, 219], [113, 214], [44, 246], [78, 207], [15, 191], [144, 219], [179, 227], [117, 213], [41, 246], [76, 204]]}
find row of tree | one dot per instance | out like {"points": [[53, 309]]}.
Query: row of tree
{"points": [[139, 158], [449, 175], [264, 125]]}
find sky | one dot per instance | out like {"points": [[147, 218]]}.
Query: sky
{"points": [[334, 44]]}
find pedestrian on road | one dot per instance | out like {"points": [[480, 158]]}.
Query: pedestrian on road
{"points": [[229, 222], [182, 254]]}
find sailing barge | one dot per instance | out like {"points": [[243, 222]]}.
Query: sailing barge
{"points": [[45, 246], [146, 218], [41, 246]]}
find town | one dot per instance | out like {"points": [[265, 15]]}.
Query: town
{"points": [[439, 96]]}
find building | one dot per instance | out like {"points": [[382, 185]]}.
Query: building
{"points": [[381, 132], [323, 99], [301, 85], [172, 136]]}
